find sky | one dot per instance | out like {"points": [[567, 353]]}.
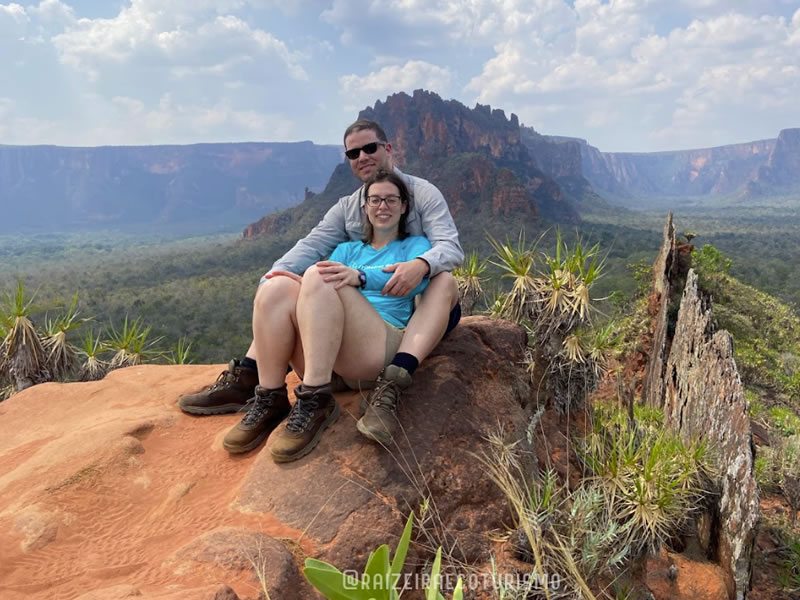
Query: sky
{"points": [[626, 75]]}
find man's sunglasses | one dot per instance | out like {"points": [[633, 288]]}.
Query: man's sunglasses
{"points": [[370, 148]]}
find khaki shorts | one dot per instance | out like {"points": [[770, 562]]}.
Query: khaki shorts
{"points": [[394, 335]]}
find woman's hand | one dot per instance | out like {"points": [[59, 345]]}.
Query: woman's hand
{"points": [[288, 274], [337, 272]]}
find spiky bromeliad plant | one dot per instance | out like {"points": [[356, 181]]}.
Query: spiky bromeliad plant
{"points": [[380, 578], [62, 356], [130, 345], [180, 354], [469, 277], [554, 303], [652, 479], [22, 354], [516, 263], [642, 486], [94, 367]]}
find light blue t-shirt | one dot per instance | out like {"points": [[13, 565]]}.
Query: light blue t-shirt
{"points": [[358, 255]]}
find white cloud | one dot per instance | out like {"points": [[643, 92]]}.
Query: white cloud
{"points": [[412, 75], [183, 40], [14, 12], [619, 69], [53, 11], [14, 22], [109, 121], [382, 24]]}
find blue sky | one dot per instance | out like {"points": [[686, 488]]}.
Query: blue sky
{"points": [[627, 75]]}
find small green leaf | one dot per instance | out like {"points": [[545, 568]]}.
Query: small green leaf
{"points": [[402, 548], [376, 573], [335, 585], [432, 593]]}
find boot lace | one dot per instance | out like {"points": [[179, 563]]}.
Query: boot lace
{"points": [[227, 377], [257, 409], [301, 415], [384, 395]]}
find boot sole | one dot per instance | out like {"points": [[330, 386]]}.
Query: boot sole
{"points": [[213, 410], [383, 440], [281, 458]]}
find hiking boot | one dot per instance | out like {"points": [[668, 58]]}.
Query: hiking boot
{"points": [[268, 408], [230, 393], [312, 412], [379, 422]]}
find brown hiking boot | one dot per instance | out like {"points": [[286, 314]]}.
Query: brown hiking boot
{"points": [[312, 412], [230, 393], [379, 422], [269, 407]]}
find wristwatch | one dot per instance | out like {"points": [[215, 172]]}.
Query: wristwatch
{"points": [[362, 279]]}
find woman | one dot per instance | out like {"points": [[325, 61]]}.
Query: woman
{"points": [[341, 322]]}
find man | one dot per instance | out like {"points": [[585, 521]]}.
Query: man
{"points": [[367, 150]]}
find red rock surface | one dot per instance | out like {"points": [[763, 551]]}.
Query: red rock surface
{"points": [[108, 491]]}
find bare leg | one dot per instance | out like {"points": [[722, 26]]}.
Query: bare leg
{"points": [[339, 329], [275, 338], [429, 321]]}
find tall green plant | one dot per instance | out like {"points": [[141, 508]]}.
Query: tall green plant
{"points": [[469, 277], [93, 367], [380, 579], [516, 263], [179, 355], [62, 356], [22, 354], [131, 345]]}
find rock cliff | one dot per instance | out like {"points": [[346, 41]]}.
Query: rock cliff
{"points": [[476, 157], [762, 167], [691, 375], [191, 188]]}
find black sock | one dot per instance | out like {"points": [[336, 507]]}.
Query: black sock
{"points": [[248, 363], [315, 388], [408, 361]]}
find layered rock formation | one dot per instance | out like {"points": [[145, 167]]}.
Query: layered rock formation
{"points": [[476, 157], [692, 377], [707, 171], [108, 491], [782, 171], [433, 137], [194, 187], [754, 168]]}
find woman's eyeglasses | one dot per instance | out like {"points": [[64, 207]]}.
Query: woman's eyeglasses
{"points": [[370, 148], [391, 201]]}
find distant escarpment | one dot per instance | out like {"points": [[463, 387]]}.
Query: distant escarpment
{"points": [[761, 167], [198, 187], [476, 157], [782, 171]]}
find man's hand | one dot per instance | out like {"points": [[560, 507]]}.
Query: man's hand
{"points": [[407, 276], [336, 272], [288, 274]]}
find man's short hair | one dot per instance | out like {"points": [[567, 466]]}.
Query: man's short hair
{"points": [[363, 124]]}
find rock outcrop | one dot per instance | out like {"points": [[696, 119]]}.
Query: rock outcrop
{"points": [[476, 157], [782, 171], [108, 491], [692, 376]]}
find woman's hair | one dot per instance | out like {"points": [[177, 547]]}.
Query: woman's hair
{"points": [[380, 176]]}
